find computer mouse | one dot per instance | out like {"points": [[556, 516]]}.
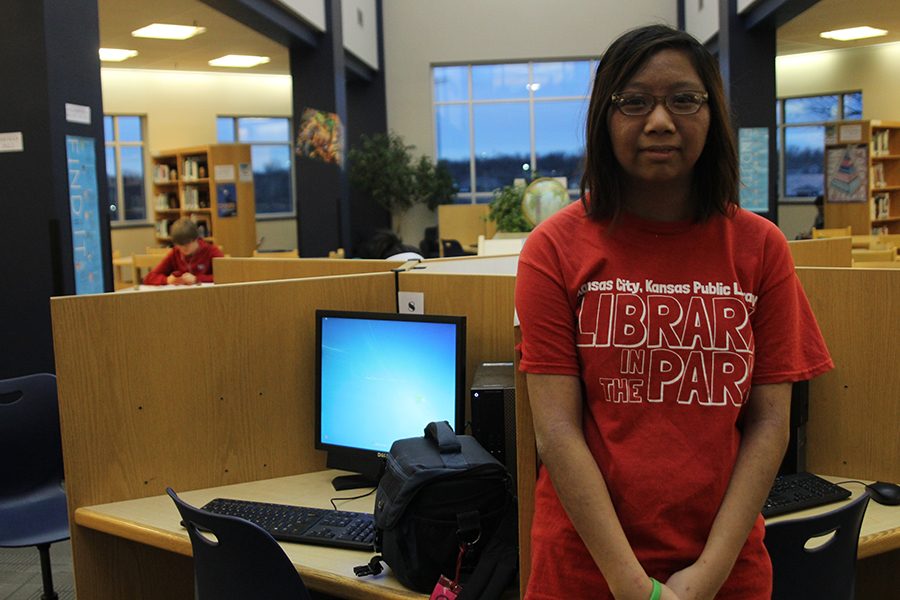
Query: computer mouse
{"points": [[883, 492]]}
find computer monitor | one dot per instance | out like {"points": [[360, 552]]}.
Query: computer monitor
{"points": [[383, 377]]}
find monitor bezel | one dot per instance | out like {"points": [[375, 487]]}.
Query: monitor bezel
{"points": [[370, 462]]}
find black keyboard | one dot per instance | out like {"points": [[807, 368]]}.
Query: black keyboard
{"points": [[799, 491], [303, 525]]}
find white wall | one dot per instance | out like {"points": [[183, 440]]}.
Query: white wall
{"points": [[421, 33], [873, 69], [701, 18], [181, 110], [312, 11], [359, 38], [360, 30]]}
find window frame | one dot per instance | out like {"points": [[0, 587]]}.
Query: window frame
{"points": [[473, 196], [292, 214], [117, 218], [782, 127]]}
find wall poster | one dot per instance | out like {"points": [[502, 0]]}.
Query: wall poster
{"points": [[226, 199], [320, 136], [84, 215]]}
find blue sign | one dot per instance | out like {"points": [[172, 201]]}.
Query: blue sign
{"points": [[753, 150], [84, 209]]}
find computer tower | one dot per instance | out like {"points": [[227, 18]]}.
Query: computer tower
{"points": [[493, 409]]}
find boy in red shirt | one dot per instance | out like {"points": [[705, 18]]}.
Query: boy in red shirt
{"points": [[189, 262]]}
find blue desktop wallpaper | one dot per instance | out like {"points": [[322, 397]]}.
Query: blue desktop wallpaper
{"points": [[385, 380]]}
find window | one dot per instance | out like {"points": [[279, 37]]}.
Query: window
{"points": [[801, 139], [270, 152], [124, 136], [499, 122]]}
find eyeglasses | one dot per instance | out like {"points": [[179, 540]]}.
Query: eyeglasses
{"points": [[635, 104]]}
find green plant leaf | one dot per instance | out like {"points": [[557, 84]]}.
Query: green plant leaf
{"points": [[506, 209]]}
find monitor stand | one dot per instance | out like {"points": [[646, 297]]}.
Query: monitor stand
{"points": [[353, 482]]}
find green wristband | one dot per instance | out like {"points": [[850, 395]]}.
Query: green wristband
{"points": [[656, 592]]}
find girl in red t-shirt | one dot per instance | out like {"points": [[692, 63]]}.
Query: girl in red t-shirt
{"points": [[662, 327]]}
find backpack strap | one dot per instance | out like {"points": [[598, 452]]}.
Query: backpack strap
{"points": [[443, 435], [448, 444]]}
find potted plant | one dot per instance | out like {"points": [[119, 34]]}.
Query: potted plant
{"points": [[434, 183], [380, 166], [506, 209], [383, 167]]}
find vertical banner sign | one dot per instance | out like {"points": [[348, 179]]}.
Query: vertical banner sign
{"points": [[85, 215], [753, 149]]}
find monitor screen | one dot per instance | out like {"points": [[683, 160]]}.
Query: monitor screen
{"points": [[383, 377]]}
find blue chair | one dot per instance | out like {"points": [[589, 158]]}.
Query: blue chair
{"points": [[32, 498], [239, 560], [824, 570]]}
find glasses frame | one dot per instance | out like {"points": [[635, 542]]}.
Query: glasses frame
{"points": [[619, 98]]}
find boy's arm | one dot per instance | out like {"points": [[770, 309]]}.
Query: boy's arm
{"points": [[160, 273], [207, 277]]}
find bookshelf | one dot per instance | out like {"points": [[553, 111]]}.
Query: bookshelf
{"points": [[862, 176], [213, 186]]}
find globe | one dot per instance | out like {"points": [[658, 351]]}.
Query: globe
{"points": [[542, 198]]}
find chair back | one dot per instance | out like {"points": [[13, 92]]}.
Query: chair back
{"points": [[239, 560], [30, 441], [815, 557], [143, 264]]}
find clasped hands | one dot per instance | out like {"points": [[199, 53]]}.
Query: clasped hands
{"points": [[183, 279]]}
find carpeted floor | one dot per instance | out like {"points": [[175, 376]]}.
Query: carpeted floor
{"points": [[20, 572]]}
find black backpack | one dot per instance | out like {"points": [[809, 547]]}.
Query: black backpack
{"points": [[438, 492]]}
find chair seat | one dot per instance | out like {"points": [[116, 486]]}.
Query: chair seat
{"points": [[34, 518]]}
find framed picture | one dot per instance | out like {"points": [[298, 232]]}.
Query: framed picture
{"points": [[846, 175]]}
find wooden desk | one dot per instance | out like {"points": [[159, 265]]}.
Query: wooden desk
{"points": [[880, 532], [154, 521]]}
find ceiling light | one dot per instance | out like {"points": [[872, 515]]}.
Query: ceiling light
{"points": [[116, 54], [238, 60], [163, 31], [853, 33]]}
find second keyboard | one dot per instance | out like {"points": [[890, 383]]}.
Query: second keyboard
{"points": [[302, 524], [799, 491]]}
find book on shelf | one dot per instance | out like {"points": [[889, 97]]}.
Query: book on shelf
{"points": [[881, 142], [881, 206], [166, 201], [878, 175], [191, 197], [161, 173], [162, 229], [194, 169]]}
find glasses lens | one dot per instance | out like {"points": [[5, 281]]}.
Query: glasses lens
{"points": [[684, 103], [635, 104]]}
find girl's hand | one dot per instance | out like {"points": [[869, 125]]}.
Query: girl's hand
{"points": [[689, 584]]}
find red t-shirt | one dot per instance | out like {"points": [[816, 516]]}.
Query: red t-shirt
{"points": [[175, 263], [668, 325]]}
